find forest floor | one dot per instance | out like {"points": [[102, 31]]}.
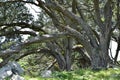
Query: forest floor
{"points": [[83, 74]]}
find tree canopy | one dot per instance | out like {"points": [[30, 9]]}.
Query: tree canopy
{"points": [[63, 28]]}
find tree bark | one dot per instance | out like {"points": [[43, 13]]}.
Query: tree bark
{"points": [[98, 61], [68, 54], [100, 58]]}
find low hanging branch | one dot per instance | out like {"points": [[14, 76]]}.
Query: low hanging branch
{"points": [[38, 39], [44, 38], [18, 32], [36, 51], [22, 25]]}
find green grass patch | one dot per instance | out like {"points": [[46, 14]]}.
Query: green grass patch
{"points": [[83, 74]]}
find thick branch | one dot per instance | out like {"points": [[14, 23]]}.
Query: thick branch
{"points": [[77, 19], [98, 17], [44, 51], [8, 52], [19, 32], [80, 38], [37, 39], [50, 12], [44, 38], [108, 16]]}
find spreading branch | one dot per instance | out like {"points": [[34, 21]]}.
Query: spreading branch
{"points": [[37, 39], [22, 25], [18, 32]]}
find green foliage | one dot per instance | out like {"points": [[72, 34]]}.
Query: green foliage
{"points": [[15, 12], [63, 75], [7, 45], [110, 74], [36, 63], [12, 13]]}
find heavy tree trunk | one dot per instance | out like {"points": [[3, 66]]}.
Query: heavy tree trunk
{"points": [[98, 60], [100, 56]]}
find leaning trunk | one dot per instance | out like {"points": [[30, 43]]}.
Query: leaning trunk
{"points": [[61, 61], [68, 51]]}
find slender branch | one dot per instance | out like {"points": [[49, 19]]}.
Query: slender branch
{"points": [[14, 1], [22, 25], [80, 12], [74, 5], [117, 50], [108, 16], [52, 64]]}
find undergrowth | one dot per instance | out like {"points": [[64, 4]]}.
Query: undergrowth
{"points": [[83, 74]]}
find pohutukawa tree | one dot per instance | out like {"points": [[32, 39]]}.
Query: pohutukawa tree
{"points": [[89, 22]]}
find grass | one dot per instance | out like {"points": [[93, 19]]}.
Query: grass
{"points": [[110, 74]]}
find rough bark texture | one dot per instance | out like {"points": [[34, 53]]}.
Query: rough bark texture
{"points": [[68, 53]]}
